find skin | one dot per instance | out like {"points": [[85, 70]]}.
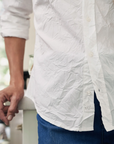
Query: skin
{"points": [[15, 48]]}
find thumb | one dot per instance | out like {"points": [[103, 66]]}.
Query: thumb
{"points": [[12, 108]]}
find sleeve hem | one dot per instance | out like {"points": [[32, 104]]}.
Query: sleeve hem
{"points": [[15, 33]]}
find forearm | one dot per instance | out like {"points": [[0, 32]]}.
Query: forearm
{"points": [[15, 48]]}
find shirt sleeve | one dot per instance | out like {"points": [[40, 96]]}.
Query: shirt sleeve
{"points": [[15, 20]]}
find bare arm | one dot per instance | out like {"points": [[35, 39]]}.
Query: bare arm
{"points": [[15, 52], [14, 27], [14, 92]]}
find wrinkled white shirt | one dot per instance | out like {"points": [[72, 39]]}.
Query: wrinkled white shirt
{"points": [[73, 57]]}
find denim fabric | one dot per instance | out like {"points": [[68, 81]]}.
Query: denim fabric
{"points": [[51, 134]]}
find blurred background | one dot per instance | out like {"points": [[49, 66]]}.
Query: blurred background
{"points": [[12, 134]]}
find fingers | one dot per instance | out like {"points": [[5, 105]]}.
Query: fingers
{"points": [[3, 118], [2, 113], [5, 109], [17, 111], [12, 108]]}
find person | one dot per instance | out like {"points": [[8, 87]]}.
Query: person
{"points": [[72, 79]]}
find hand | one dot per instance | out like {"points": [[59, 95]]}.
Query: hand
{"points": [[13, 93]]}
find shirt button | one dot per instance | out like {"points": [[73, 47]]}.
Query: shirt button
{"points": [[88, 19], [91, 54], [99, 90], [88, 93]]}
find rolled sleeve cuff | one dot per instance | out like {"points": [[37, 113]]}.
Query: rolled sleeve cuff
{"points": [[15, 33]]}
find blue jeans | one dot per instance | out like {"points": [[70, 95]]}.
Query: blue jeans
{"points": [[51, 134]]}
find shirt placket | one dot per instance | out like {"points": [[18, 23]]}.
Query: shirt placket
{"points": [[90, 42]]}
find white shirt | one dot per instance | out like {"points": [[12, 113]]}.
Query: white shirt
{"points": [[73, 57]]}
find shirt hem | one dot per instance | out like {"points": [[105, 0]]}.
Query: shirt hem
{"points": [[59, 124]]}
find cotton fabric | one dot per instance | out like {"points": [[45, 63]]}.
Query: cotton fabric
{"points": [[73, 57], [51, 134]]}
